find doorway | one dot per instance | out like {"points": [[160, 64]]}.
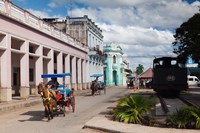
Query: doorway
{"points": [[115, 77]]}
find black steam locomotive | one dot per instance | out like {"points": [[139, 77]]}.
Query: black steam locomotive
{"points": [[169, 76]]}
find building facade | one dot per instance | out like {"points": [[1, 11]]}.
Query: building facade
{"points": [[116, 68], [30, 47], [88, 33]]}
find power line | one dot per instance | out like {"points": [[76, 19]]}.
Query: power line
{"points": [[146, 56]]}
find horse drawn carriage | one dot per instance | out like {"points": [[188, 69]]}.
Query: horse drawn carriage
{"points": [[97, 86], [56, 101], [130, 81]]}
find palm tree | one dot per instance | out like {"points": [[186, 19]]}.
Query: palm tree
{"points": [[139, 69]]}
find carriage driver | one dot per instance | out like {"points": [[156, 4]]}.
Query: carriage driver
{"points": [[54, 85]]}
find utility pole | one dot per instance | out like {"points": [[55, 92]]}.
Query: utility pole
{"points": [[139, 76], [70, 8]]}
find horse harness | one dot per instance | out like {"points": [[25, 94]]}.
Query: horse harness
{"points": [[47, 99]]}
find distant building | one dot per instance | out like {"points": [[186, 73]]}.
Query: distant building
{"points": [[116, 68], [89, 34]]}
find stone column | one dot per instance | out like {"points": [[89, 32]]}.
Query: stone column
{"points": [[60, 66], [109, 71], [87, 74], [84, 74], [39, 67], [50, 65], [90, 70], [79, 74], [5, 65], [67, 70], [74, 85], [24, 73]]}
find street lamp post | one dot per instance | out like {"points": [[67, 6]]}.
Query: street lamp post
{"points": [[138, 76]]}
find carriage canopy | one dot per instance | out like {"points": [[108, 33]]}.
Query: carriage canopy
{"points": [[130, 77], [60, 75], [96, 75]]}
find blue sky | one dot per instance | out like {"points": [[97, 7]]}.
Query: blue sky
{"points": [[143, 28]]}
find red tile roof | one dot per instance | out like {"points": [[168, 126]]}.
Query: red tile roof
{"points": [[147, 74]]}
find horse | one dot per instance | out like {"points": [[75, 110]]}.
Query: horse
{"points": [[94, 87], [48, 100]]}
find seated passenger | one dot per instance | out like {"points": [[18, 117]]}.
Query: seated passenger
{"points": [[101, 84], [53, 83]]}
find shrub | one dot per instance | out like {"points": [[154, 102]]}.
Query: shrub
{"points": [[132, 109], [185, 117]]}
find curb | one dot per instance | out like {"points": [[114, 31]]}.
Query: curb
{"points": [[5, 107]]}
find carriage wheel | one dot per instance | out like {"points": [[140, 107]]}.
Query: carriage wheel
{"points": [[73, 103]]}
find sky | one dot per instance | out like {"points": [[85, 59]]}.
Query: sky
{"points": [[143, 28]]}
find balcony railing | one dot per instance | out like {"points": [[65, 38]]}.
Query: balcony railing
{"points": [[8, 9]]}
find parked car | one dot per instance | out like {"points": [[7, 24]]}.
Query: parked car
{"points": [[193, 81], [149, 84]]}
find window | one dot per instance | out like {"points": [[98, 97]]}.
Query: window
{"points": [[114, 59], [173, 62], [31, 49], [105, 55], [190, 79]]}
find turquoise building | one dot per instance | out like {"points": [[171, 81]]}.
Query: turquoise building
{"points": [[115, 67]]}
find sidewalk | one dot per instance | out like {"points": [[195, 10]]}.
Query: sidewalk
{"points": [[17, 102], [104, 122], [101, 122]]}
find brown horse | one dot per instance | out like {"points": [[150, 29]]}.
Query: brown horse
{"points": [[95, 87], [48, 100]]}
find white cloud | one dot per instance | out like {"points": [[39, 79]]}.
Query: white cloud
{"points": [[164, 14], [43, 14], [40, 14], [52, 5], [141, 27], [61, 2], [140, 45]]}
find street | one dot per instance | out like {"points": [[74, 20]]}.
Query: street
{"points": [[31, 119]]}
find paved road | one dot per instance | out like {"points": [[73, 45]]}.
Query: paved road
{"points": [[31, 120], [192, 95]]}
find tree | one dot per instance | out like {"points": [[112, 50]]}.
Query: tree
{"points": [[139, 69], [187, 40]]}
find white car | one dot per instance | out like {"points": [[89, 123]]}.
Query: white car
{"points": [[193, 81]]}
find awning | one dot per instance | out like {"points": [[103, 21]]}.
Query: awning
{"points": [[61, 75], [96, 75], [129, 77]]}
